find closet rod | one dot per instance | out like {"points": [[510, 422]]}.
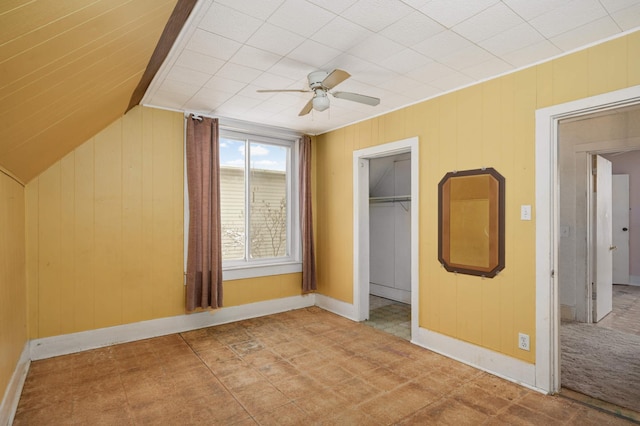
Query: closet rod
{"points": [[391, 199]]}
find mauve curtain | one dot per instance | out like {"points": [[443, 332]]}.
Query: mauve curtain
{"points": [[204, 256], [309, 283]]}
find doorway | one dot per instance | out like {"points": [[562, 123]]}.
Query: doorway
{"points": [[598, 358], [548, 222], [588, 145], [407, 276], [626, 220], [390, 244]]}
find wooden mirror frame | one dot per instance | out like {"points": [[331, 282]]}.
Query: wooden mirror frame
{"points": [[496, 227]]}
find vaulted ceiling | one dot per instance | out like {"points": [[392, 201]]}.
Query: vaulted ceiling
{"points": [[68, 68]]}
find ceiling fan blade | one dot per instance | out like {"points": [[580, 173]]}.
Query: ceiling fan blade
{"points": [[282, 90], [334, 78], [355, 97], [307, 108]]}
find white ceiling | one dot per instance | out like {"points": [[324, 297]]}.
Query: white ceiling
{"points": [[402, 51]]}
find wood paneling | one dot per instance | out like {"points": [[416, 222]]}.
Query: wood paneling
{"points": [[106, 228], [633, 59], [570, 77], [69, 69], [252, 290], [608, 67], [13, 289], [105, 232], [488, 125]]}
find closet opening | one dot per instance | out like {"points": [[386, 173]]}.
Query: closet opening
{"points": [[386, 237], [390, 244]]}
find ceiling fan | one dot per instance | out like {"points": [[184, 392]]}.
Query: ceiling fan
{"points": [[320, 82]]}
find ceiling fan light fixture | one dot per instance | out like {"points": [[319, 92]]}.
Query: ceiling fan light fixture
{"points": [[320, 101]]}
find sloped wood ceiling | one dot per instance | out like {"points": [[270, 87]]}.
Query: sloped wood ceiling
{"points": [[68, 68]]}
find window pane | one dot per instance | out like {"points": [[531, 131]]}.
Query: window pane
{"points": [[232, 161], [268, 200]]}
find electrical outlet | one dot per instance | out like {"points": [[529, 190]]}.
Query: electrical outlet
{"points": [[523, 341]]}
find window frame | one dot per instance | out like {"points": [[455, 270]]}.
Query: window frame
{"points": [[251, 268]]}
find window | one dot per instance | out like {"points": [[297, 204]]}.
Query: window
{"points": [[259, 198], [255, 192]]}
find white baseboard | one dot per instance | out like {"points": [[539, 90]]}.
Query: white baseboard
{"points": [[396, 294], [14, 388], [484, 359], [336, 306], [75, 342], [634, 279]]}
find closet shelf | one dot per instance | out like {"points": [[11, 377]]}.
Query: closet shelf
{"points": [[390, 199]]}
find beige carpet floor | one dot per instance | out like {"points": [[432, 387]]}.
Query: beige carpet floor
{"points": [[601, 363], [603, 360]]}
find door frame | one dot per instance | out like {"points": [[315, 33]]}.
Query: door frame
{"points": [[361, 269], [547, 224]]}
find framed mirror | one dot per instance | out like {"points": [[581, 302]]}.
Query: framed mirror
{"points": [[471, 222]]}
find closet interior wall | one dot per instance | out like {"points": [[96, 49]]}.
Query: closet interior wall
{"points": [[390, 227]]}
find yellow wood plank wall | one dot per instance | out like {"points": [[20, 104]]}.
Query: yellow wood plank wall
{"points": [[105, 232], [105, 229], [252, 290], [491, 124], [13, 288]]}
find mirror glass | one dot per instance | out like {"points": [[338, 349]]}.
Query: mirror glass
{"points": [[471, 222]]}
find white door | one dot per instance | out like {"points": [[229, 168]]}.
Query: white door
{"points": [[621, 229], [603, 273]]}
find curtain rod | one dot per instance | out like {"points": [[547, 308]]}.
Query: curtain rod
{"points": [[249, 127]]}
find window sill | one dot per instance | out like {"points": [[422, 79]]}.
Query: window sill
{"points": [[253, 271]]}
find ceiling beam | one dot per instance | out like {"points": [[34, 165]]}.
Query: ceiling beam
{"points": [[171, 31]]}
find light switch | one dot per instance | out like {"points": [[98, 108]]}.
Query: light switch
{"points": [[525, 212]]}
